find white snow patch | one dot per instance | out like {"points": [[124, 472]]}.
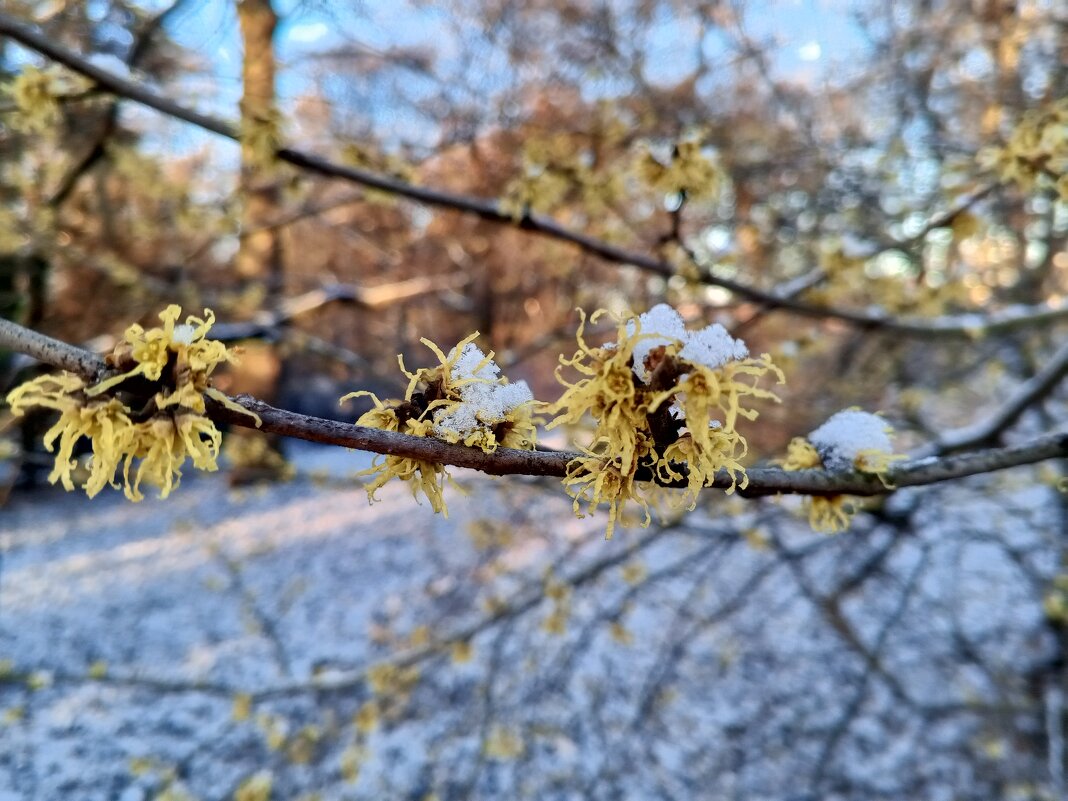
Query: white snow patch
{"points": [[711, 346], [473, 363], [846, 433], [483, 401], [661, 325], [183, 334]]}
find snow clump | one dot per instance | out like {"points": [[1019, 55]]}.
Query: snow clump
{"points": [[483, 401], [711, 346], [846, 434]]}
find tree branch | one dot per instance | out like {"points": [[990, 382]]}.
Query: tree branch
{"points": [[50, 351], [987, 432], [270, 323], [486, 209], [763, 481]]}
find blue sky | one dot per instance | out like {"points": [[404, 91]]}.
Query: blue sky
{"points": [[815, 38], [814, 41]]}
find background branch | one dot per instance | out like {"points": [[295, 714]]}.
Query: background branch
{"points": [[988, 431], [490, 210]]}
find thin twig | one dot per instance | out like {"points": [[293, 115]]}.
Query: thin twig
{"points": [[50, 351]]}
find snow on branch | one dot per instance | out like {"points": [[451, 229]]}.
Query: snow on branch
{"points": [[763, 481]]}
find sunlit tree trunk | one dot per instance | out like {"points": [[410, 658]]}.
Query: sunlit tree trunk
{"points": [[259, 263], [260, 253]]}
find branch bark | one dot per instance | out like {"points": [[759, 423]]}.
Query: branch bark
{"points": [[50, 351], [763, 481]]}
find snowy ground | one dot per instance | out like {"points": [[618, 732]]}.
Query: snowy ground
{"points": [[242, 588], [128, 630], [176, 649]]}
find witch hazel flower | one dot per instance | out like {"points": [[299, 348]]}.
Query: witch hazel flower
{"points": [[849, 440], [489, 412], [463, 399], [664, 400], [148, 427]]}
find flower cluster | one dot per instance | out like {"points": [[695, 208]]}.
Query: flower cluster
{"points": [[152, 442], [463, 399], [689, 171], [665, 401], [555, 169], [848, 440], [33, 91], [1036, 149]]}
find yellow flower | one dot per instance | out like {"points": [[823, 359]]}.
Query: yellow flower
{"points": [[261, 136], [503, 744], [34, 92], [162, 445], [715, 396], [152, 444], [183, 351], [608, 393], [366, 719], [391, 681], [1037, 150], [462, 399], [594, 480], [826, 513], [461, 652], [689, 171], [829, 514], [662, 398], [351, 760], [105, 423], [256, 787], [848, 439], [801, 455], [427, 477]]}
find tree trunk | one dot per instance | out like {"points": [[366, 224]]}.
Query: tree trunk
{"points": [[259, 256], [259, 263]]}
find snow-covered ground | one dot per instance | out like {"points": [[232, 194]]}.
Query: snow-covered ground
{"points": [[185, 646], [139, 625]]}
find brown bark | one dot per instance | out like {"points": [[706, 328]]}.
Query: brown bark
{"points": [[260, 254]]}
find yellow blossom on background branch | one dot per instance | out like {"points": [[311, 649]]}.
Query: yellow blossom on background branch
{"points": [[1036, 150], [36, 94]]}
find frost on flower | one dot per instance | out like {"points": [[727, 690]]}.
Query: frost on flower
{"points": [[849, 440], [713, 347], [660, 326], [664, 400], [149, 433], [463, 399]]}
